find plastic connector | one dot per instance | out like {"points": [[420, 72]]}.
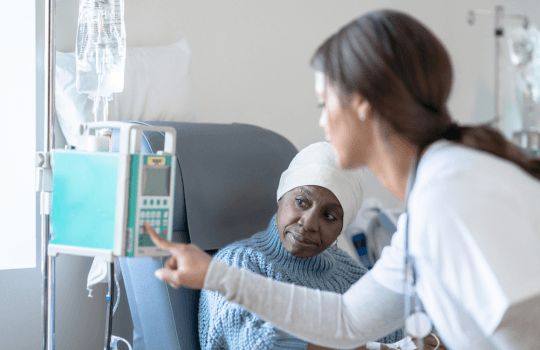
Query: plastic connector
{"points": [[115, 340]]}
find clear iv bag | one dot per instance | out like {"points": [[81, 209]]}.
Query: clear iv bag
{"points": [[101, 49], [524, 45]]}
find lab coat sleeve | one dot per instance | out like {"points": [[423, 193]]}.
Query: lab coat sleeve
{"points": [[388, 271], [366, 312]]}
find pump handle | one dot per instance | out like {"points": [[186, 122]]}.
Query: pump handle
{"points": [[131, 135]]}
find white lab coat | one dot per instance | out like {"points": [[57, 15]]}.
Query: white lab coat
{"points": [[475, 234]]}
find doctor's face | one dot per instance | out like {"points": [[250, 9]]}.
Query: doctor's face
{"points": [[341, 124], [309, 220]]}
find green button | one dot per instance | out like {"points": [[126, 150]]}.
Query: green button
{"points": [[144, 202], [151, 202], [158, 202], [164, 202]]}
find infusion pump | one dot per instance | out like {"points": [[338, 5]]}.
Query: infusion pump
{"points": [[100, 199]]}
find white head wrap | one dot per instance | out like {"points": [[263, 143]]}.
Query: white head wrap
{"points": [[316, 165]]}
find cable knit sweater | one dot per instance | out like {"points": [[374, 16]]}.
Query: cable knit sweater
{"points": [[225, 325]]}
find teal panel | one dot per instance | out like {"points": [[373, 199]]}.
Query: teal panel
{"points": [[133, 188], [84, 199]]}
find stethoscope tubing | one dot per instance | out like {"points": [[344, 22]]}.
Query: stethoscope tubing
{"points": [[415, 319]]}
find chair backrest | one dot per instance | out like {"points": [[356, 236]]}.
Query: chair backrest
{"points": [[225, 191]]}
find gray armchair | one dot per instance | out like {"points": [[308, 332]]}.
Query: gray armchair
{"points": [[226, 186]]}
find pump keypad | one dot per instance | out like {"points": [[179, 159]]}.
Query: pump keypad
{"points": [[158, 219]]}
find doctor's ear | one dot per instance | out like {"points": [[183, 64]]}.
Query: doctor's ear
{"points": [[361, 107]]}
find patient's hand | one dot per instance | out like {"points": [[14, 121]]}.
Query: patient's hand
{"points": [[187, 265]]}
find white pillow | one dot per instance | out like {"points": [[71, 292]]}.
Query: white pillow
{"points": [[156, 88]]}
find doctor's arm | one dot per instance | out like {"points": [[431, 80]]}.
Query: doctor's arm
{"points": [[366, 312]]}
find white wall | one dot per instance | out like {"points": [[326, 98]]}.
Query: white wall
{"points": [[17, 97], [251, 58]]}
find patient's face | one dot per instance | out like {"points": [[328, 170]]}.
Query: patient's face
{"points": [[309, 220]]}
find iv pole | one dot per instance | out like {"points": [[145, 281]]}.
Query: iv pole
{"points": [[44, 183], [44, 186], [500, 17]]}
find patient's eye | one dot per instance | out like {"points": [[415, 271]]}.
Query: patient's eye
{"points": [[300, 202], [329, 216]]}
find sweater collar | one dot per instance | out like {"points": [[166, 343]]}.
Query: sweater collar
{"points": [[270, 245]]}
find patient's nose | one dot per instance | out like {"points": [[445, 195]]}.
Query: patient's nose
{"points": [[308, 220]]}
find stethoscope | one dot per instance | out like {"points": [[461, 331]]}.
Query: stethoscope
{"points": [[417, 322]]}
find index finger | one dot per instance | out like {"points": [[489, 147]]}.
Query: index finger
{"points": [[157, 239]]}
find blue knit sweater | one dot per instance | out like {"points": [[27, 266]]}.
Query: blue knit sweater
{"points": [[225, 325]]}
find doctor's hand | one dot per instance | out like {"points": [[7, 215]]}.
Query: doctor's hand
{"points": [[187, 265], [432, 342]]}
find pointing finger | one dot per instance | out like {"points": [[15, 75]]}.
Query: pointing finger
{"points": [[157, 239]]}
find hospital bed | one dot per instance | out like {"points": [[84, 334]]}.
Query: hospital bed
{"points": [[225, 191]]}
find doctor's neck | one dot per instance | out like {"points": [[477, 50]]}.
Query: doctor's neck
{"points": [[391, 160]]}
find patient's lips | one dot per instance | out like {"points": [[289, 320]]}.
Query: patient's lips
{"points": [[295, 237]]}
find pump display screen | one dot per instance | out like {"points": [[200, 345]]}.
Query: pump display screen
{"points": [[156, 181]]}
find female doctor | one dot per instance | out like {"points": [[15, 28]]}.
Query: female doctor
{"points": [[470, 240]]}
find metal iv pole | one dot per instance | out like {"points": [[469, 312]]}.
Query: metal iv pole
{"points": [[500, 17], [44, 182]]}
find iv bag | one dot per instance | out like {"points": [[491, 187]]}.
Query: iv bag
{"points": [[101, 48], [525, 55]]}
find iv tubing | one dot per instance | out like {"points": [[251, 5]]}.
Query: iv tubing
{"points": [[99, 65], [109, 314], [118, 296]]}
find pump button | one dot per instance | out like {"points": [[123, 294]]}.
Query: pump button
{"points": [[166, 214], [158, 202], [151, 202]]}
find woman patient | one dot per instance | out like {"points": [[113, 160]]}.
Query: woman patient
{"points": [[316, 202]]}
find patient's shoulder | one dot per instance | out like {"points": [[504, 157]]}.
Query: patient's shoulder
{"points": [[347, 263], [242, 254]]}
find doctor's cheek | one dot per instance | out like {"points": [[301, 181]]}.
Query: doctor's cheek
{"points": [[323, 124]]}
